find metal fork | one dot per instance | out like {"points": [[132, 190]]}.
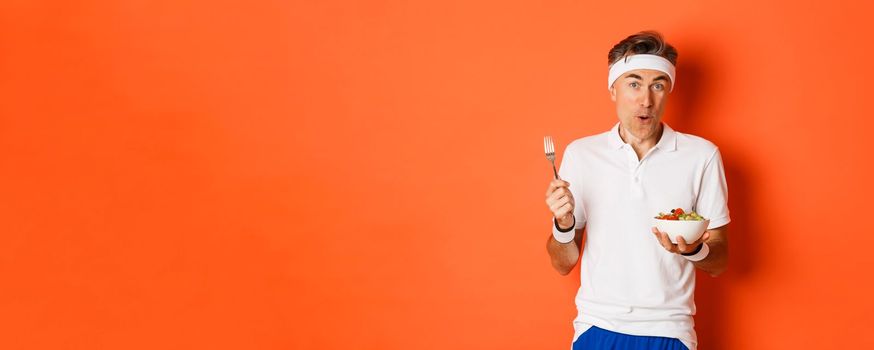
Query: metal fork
{"points": [[549, 147]]}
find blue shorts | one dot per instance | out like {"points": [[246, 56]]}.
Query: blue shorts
{"points": [[601, 339]]}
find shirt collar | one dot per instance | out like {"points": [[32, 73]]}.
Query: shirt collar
{"points": [[613, 138], [667, 142]]}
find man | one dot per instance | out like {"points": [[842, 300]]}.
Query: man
{"points": [[636, 287]]}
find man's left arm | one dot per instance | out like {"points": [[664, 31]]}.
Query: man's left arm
{"points": [[712, 202], [717, 261]]}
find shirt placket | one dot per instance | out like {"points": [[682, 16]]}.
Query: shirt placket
{"points": [[635, 167]]}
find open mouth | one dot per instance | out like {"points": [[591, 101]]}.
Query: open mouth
{"points": [[645, 117]]}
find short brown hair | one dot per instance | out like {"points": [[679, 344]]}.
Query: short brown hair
{"points": [[645, 42]]}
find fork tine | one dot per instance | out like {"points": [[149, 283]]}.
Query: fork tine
{"points": [[549, 146]]}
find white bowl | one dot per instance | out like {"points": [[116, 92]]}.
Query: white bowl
{"points": [[690, 230]]}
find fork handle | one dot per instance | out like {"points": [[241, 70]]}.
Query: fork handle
{"points": [[553, 169]]}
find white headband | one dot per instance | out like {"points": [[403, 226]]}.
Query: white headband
{"points": [[643, 61]]}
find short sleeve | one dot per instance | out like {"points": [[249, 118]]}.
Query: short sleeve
{"points": [[712, 201], [569, 171]]}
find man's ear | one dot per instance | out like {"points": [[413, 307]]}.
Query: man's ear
{"points": [[613, 93]]}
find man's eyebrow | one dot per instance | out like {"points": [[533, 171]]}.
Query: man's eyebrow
{"points": [[635, 76]]}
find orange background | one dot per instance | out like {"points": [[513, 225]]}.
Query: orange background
{"points": [[370, 175]]}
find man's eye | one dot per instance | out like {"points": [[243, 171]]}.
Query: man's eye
{"points": [[634, 84], [659, 87]]}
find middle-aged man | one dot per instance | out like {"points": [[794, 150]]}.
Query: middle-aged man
{"points": [[636, 287]]}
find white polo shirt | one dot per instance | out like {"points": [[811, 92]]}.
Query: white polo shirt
{"points": [[628, 282]]}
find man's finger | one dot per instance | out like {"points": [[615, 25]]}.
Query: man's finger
{"points": [[563, 210], [558, 204], [558, 194], [554, 184], [558, 197], [681, 244], [663, 239], [658, 236]]}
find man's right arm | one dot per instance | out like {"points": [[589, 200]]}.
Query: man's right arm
{"points": [[564, 256], [560, 201]]}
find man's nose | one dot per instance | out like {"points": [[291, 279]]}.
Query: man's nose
{"points": [[646, 99]]}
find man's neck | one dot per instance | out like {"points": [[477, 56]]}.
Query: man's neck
{"points": [[641, 146]]}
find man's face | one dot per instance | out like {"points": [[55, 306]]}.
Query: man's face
{"points": [[640, 97]]}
